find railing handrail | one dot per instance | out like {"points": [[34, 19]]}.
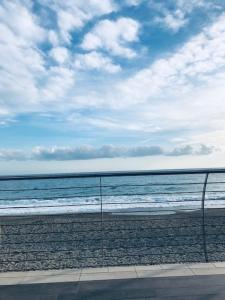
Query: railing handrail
{"points": [[113, 173]]}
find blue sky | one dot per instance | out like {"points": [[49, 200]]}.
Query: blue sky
{"points": [[109, 85]]}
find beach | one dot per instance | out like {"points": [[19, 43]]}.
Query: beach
{"points": [[93, 240]]}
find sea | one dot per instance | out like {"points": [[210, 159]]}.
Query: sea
{"points": [[147, 194]]}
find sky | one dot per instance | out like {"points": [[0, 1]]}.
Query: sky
{"points": [[111, 85]]}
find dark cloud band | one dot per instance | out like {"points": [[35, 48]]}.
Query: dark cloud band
{"points": [[107, 151]]}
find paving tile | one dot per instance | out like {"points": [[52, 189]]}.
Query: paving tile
{"points": [[209, 271], [58, 272], [94, 270], [220, 264], [10, 281], [173, 266], [164, 273], [40, 273], [148, 268], [149, 273], [51, 279], [200, 265], [122, 269], [12, 274], [108, 276], [181, 272]]}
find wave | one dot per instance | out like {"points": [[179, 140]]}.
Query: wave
{"points": [[132, 204]]}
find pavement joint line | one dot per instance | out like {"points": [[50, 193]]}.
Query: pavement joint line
{"points": [[192, 272]]}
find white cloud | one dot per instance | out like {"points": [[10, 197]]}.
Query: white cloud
{"points": [[117, 123], [20, 68], [58, 83], [191, 66], [174, 20], [133, 2], [113, 36], [21, 21], [67, 22], [72, 15], [5, 117], [21, 62], [60, 54], [27, 82], [8, 155], [188, 6], [53, 38], [178, 16], [96, 61]]}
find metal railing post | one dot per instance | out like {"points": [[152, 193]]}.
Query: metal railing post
{"points": [[203, 217], [102, 234]]}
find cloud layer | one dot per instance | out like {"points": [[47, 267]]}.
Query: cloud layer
{"points": [[107, 151], [133, 72]]}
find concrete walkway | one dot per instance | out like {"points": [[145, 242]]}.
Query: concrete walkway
{"points": [[186, 281], [110, 273]]}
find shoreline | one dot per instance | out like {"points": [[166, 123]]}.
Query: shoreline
{"points": [[128, 210]]}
